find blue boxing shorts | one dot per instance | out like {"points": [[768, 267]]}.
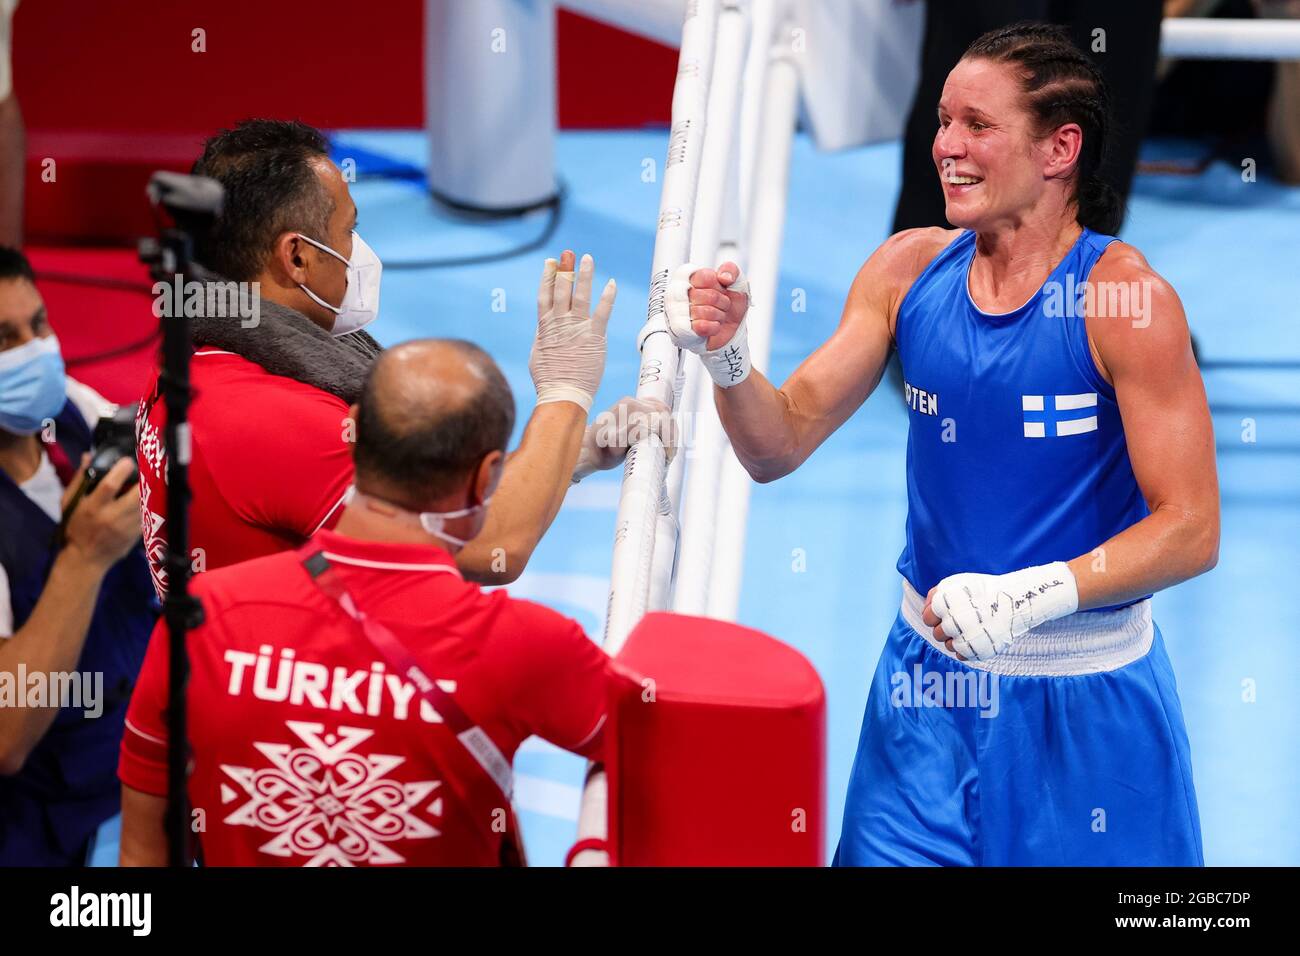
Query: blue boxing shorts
{"points": [[1067, 750]]}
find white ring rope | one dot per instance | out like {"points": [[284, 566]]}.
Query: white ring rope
{"points": [[638, 520], [1210, 39]]}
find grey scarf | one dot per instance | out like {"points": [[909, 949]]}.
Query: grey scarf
{"points": [[286, 342]]}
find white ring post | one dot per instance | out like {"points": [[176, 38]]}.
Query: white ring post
{"points": [[498, 55], [643, 479], [766, 220], [764, 17], [719, 175], [644, 471]]}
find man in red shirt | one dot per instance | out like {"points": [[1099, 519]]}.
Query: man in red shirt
{"points": [[310, 744], [281, 354]]}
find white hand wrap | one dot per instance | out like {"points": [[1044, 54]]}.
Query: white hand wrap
{"points": [[984, 613], [729, 364]]}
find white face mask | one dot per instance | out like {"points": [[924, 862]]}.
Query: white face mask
{"points": [[431, 521], [360, 305]]}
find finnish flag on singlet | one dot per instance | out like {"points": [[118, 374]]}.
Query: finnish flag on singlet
{"points": [[1055, 416]]}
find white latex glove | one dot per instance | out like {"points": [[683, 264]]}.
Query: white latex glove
{"points": [[979, 616], [568, 357], [705, 310], [615, 430]]}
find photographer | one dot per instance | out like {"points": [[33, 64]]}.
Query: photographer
{"points": [[74, 619], [269, 422]]}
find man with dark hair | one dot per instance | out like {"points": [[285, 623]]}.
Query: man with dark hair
{"points": [[277, 366], [74, 616], [357, 702], [266, 168]]}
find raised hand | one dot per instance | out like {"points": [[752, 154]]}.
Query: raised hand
{"points": [[717, 309], [705, 312], [705, 306], [568, 357]]}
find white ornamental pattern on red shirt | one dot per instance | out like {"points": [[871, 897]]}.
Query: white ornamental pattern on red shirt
{"points": [[155, 545], [153, 455], [328, 804]]}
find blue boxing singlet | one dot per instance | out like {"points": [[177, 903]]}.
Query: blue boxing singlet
{"points": [[1068, 748], [1015, 452]]}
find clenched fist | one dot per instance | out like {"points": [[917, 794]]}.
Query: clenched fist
{"points": [[717, 306], [705, 310]]}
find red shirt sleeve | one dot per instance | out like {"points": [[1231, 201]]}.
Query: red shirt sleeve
{"points": [[558, 677], [283, 459], [143, 761]]}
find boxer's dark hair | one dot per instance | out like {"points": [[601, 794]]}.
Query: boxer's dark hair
{"points": [[271, 188], [14, 265], [413, 453], [1062, 85]]}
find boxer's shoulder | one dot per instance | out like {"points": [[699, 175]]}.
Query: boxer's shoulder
{"points": [[899, 262], [1121, 262], [909, 252]]}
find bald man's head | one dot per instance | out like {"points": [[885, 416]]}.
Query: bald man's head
{"points": [[431, 410]]}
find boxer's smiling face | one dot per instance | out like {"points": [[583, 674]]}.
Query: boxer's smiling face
{"points": [[990, 163]]}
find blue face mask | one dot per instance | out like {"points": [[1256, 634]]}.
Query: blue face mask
{"points": [[33, 386]]}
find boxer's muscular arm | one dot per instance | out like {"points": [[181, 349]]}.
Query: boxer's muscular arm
{"points": [[774, 430], [1170, 443]]}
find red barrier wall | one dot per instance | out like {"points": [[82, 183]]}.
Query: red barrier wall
{"points": [[128, 66], [114, 90]]}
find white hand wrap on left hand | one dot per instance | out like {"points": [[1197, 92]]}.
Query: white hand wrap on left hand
{"points": [[729, 364], [984, 613]]}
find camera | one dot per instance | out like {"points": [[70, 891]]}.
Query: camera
{"points": [[112, 440]]}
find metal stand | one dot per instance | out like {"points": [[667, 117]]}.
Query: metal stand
{"points": [[192, 202]]}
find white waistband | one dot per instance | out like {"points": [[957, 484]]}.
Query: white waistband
{"points": [[1088, 642]]}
